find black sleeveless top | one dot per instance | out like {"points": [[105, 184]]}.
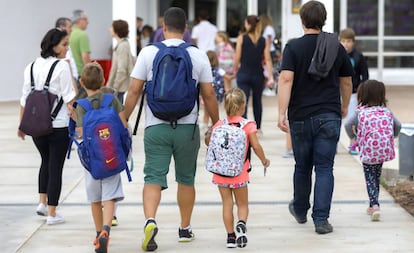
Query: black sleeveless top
{"points": [[252, 55]]}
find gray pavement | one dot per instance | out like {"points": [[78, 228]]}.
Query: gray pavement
{"points": [[270, 226]]}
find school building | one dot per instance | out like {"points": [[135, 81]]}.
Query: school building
{"points": [[384, 28]]}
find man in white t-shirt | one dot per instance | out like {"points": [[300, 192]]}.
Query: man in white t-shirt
{"points": [[162, 141], [204, 33]]}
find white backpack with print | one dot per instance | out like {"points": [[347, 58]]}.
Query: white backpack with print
{"points": [[375, 135], [227, 150]]}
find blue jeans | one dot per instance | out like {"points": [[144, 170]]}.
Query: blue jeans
{"points": [[314, 143]]}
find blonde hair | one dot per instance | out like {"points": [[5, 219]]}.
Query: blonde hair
{"points": [[266, 20], [224, 36], [92, 76], [234, 100]]}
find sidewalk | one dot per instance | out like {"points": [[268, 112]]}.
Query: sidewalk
{"points": [[270, 226]]}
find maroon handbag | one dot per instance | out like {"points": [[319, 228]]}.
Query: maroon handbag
{"points": [[37, 115]]}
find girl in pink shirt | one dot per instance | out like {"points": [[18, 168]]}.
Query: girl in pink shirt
{"points": [[225, 54], [234, 104]]}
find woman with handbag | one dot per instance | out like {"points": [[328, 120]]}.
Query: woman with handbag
{"points": [[52, 146]]}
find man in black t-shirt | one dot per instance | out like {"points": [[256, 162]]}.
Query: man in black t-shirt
{"points": [[310, 108]]}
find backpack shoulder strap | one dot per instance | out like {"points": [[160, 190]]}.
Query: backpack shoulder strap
{"points": [[32, 84], [185, 45], [244, 122], [107, 100], [85, 103], [159, 45], [239, 124], [49, 76], [188, 62]]}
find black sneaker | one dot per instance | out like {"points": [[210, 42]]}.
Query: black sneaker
{"points": [[185, 235], [150, 231], [241, 232], [323, 228], [231, 240], [299, 219], [102, 242]]}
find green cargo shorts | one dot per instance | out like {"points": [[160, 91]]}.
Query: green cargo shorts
{"points": [[161, 142]]}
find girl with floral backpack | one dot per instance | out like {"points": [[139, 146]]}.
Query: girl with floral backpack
{"points": [[233, 189], [376, 129]]}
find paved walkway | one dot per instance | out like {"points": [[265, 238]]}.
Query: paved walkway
{"points": [[270, 226]]}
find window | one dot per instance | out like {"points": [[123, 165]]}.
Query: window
{"points": [[274, 10], [399, 61], [165, 4], [208, 5], [399, 17], [392, 45], [236, 13], [363, 17]]}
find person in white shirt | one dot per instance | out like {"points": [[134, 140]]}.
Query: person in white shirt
{"points": [[161, 141], [51, 147], [204, 37], [204, 33]]}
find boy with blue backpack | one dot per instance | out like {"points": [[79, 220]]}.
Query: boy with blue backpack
{"points": [[102, 125], [174, 74]]}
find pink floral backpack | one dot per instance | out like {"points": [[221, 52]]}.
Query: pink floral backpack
{"points": [[375, 134]]}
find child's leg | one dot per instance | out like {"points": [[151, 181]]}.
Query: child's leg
{"points": [[227, 200], [96, 208], [378, 170], [115, 208], [108, 212], [115, 218], [242, 201], [372, 182]]}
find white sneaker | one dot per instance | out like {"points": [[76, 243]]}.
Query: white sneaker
{"points": [[269, 92], [41, 210], [57, 219], [375, 213], [287, 154]]}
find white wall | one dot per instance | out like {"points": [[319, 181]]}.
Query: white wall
{"points": [[292, 25], [125, 10], [148, 11], [24, 23]]}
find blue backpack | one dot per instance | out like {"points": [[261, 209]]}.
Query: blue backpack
{"points": [[106, 143], [172, 92]]}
